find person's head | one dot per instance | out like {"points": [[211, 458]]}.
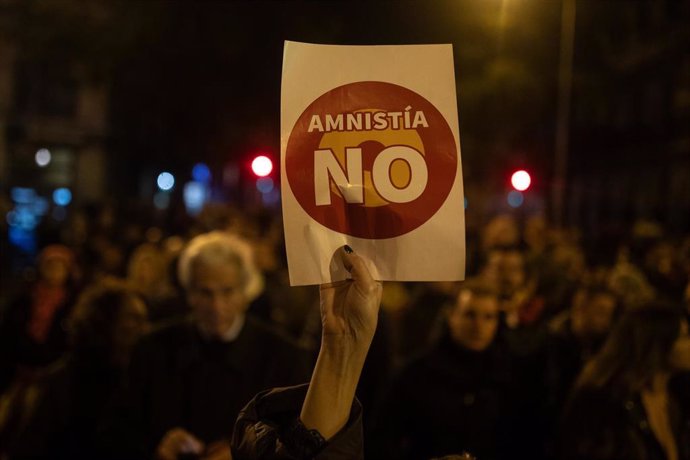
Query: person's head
{"points": [[593, 310], [55, 265], [147, 270], [504, 269], [473, 320], [630, 285], [219, 277], [645, 342], [500, 231], [512, 273], [108, 319]]}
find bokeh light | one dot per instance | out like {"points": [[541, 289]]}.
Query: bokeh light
{"points": [[43, 157], [515, 199], [62, 196], [264, 185], [521, 180], [165, 181], [161, 200], [195, 196], [201, 173], [262, 166]]}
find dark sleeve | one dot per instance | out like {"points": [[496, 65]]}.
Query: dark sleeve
{"points": [[595, 427], [264, 431]]}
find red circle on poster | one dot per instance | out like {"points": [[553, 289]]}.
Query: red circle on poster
{"points": [[405, 160]]}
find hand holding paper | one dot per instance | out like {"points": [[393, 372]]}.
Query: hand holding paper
{"points": [[349, 308], [349, 312]]}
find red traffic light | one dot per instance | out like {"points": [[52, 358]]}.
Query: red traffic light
{"points": [[262, 166], [521, 180]]}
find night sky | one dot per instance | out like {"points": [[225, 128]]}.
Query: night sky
{"points": [[200, 80]]}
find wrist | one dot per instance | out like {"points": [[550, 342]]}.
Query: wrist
{"points": [[332, 389], [345, 345]]}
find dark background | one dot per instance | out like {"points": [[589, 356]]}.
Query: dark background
{"points": [[153, 86]]}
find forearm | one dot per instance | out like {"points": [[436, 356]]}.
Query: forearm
{"points": [[332, 388]]}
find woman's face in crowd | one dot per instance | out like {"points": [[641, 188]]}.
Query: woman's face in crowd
{"points": [[474, 321], [54, 271], [679, 357], [132, 323]]}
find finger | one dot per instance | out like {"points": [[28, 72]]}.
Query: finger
{"points": [[190, 444], [359, 271], [174, 443]]}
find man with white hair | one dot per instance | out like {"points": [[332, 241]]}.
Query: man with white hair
{"points": [[189, 380]]}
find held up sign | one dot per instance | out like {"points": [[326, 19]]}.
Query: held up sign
{"points": [[370, 157]]}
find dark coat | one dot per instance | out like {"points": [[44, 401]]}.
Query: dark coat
{"points": [[179, 379], [262, 429], [565, 356], [18, 349], [451, 400], [71, 405], [600, 425]]}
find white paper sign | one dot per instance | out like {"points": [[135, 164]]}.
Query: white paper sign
{"points": [[370, 157]]}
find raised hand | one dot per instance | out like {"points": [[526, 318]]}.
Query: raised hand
{"points": [[349, 309]]}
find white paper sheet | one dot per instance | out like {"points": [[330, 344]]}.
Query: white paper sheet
{"points": [[370, 157]]}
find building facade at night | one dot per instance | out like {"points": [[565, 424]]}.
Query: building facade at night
{"points": [[630, 122]]}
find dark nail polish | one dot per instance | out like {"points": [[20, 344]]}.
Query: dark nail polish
{"points": [[348, 249]]}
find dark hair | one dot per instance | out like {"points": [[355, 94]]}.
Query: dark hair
{"points": [[92, 323], [596, 286], [636, 349]]}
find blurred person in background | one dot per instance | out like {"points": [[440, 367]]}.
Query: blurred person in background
{"points": [[74, 397], [663, 268], [188, 380], [422, 316], [630, 284], [562, 269], [521, 305], [626, 403], [459, 395], [148, 272], [573, 337], [505, 270], [32, 333], [500, 232]]}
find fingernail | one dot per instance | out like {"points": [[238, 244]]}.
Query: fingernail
{"points": [[348, 249]]}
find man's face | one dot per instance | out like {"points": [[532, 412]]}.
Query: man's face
{"points": [[600, 313], [216, 295], [474, 321], [592, 316]]}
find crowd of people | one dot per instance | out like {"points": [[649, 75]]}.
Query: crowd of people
{"points": [[132, 341]]}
